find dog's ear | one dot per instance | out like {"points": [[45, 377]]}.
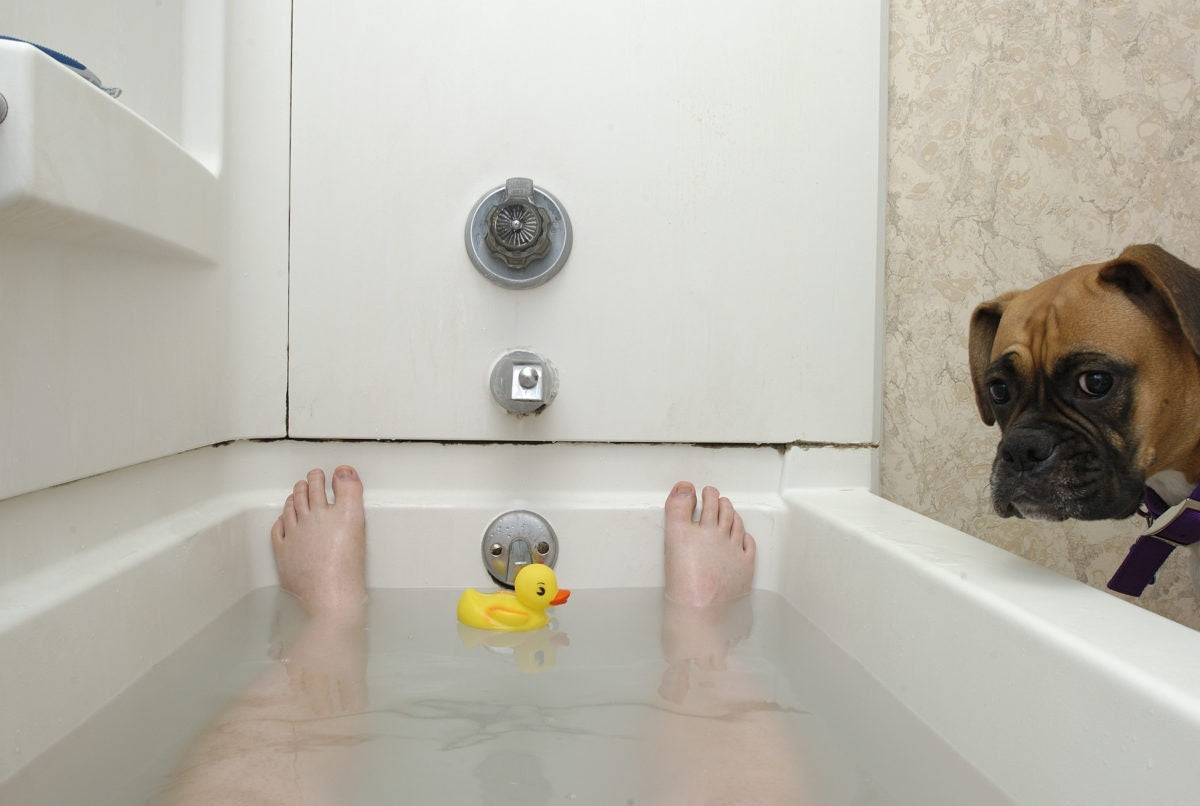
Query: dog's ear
{"points": [[984, 323], [1162, 285]]}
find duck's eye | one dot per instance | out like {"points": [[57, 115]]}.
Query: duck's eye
{"points": [[1094, 384], [541, 591], [998, 392]]}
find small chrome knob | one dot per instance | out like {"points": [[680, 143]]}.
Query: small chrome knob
{"points": [[528, 377], [523, 382]]}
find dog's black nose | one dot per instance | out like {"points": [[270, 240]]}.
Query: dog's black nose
{"points": [[1026, 449]]}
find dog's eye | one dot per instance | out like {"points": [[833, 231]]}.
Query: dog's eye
{"points": [[1094, 384], [998, 391]]}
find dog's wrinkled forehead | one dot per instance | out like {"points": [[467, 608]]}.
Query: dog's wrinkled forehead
{"points": [[1069, 311]]}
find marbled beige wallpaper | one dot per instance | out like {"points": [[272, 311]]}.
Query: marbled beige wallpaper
{"points": [[1024, 138]]}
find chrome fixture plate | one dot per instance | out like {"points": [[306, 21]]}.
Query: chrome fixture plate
{"points": [[518, 235], [523, 382], [516, 539]]}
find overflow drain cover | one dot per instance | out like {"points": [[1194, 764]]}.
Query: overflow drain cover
{"points": [[516, 539]]}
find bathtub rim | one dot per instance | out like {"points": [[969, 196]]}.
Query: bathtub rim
{"points": [[849, 546]]}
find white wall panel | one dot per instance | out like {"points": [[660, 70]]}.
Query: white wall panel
{"points": [[719, 162]]}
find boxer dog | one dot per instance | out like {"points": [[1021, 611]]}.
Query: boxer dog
{"points": [[1094, 378]]}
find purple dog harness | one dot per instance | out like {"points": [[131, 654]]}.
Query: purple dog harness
{"points": [[1170, 527]]}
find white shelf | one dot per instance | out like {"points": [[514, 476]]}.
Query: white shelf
{"points": [[78, 166]]}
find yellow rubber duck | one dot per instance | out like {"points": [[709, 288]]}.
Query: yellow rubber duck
{"points": [[523, 608]]}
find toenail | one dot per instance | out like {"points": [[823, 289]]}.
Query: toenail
{"points": [[344, 473]]}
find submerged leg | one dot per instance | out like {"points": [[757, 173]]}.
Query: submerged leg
{"points": [[709, 566], [283, 740], [721, 739]]}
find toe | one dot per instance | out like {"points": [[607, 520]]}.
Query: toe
{"points": [[750, 546], [726, 514], [289, 512], [737, 530], [708, 509], [347, 487], [300, 498], [277, 530], [316, 489], [681, 503]]}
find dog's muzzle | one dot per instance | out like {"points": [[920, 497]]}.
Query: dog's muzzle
{"points": [[1051, 473]]}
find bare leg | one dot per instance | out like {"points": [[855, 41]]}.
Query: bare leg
{"points": [[709, 570], [278, 742], [722, 741]]}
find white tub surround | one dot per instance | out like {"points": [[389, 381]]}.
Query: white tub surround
{"points": [[1055, 692], [143, 239], [82, 167]]}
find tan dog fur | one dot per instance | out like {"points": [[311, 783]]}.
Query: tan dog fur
{"points": [[1135, 319]]}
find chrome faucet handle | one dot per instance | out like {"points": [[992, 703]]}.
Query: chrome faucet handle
{"points": [[518, 230], [518, 235]]}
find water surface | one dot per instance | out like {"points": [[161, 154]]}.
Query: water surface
{"points": [[589, 711]]}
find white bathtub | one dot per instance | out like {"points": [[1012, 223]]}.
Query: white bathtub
{"points": [[1052, 691]]}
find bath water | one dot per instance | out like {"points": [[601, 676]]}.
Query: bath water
{"points": [[588, 712]]}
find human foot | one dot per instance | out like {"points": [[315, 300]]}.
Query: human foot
{"points": [[320, 548], [707, 561]]}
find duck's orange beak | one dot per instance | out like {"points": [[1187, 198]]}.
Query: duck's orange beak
{"points": [[560, 597]]}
